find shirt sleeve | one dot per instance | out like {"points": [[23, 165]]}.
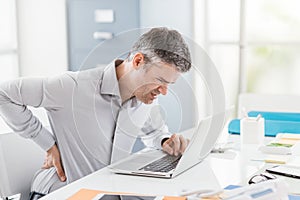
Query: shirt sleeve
{"points": [[155, 128], [17, 95]]}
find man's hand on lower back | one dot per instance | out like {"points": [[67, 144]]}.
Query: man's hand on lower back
{"points": [[53, 160]]}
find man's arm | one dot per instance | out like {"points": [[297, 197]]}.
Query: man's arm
{"points": [[15, 96], [161, 138], [173, 144]]}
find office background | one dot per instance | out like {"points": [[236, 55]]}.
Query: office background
{"points": [[254, 44]]}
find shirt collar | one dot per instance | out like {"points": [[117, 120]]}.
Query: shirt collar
{"points": [[110, 84]]}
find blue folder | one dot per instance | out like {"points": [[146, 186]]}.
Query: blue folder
{"points": [[231, 187], [275, 122]]}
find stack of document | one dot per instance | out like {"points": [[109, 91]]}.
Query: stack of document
{"points": [[284, 144]]}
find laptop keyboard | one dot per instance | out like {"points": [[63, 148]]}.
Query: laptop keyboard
{"points": [[164, 164]]}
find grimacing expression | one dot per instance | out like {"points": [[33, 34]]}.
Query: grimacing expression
{"points": [[154, 80]]}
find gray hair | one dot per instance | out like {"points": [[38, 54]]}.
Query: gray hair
{"points": [[163, 45]]}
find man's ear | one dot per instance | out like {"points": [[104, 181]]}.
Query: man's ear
{"points": [[138, 60]]}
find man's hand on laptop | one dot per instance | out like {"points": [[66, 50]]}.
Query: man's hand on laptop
{"points": [[53, 160], [175, 145]]}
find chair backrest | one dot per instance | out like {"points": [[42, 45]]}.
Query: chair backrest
{"points": [[268, 102], [19, 160]]}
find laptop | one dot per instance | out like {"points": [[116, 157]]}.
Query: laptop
{"points": [[156, 163]]}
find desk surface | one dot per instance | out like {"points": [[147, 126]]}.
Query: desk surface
{"points": [[215, 172]]}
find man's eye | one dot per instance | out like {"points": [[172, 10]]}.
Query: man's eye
{"points": [[159, 80]]}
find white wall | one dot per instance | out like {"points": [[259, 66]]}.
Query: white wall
{"points": [[200, 36], [42, 42], [177, 14], [42, 37]]}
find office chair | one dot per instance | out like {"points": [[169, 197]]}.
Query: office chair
{"points": [[20, 158]]}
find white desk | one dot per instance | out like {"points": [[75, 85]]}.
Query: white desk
{"points": [[215, 172]]}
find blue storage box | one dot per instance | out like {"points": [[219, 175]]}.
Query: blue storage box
{"points": [[275, 122]]}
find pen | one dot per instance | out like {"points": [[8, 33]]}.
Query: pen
{"points": [[258, 117], [202, 193], [194, 192], [245, 112], [270, 161], [275, 161]]}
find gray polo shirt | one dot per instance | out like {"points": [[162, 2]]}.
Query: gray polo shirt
{"points": [[89, 123]]}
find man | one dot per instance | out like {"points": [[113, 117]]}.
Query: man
{"points": [[96, 115]]}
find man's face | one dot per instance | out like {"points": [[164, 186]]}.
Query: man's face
{"points": [[154, 80]]}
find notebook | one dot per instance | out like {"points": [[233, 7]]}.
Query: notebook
{"points": [[148, 163]]}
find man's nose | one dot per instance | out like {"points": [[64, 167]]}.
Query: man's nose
{"points": [[163, 90]]}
